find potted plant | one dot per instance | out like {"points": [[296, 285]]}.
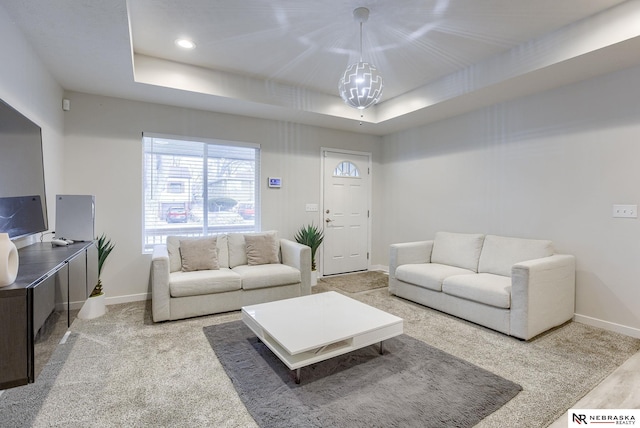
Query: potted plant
{"points": [[95, 305], [312, 237]]}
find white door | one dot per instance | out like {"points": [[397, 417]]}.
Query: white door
{"points": [[346, 188]]}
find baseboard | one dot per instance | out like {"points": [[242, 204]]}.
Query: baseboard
{"points": [[380, 267], [607, 325], [128, 298], [72, 305], [76, 305], [109, 301]]}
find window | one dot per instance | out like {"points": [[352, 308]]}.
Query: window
{"points": [[198, 188], [346, 169], [175, 187]]}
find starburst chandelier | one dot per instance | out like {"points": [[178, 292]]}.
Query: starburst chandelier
{"points": [[361, 85]]}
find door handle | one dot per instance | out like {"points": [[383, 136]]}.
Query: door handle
{"points": [[328, 220]]}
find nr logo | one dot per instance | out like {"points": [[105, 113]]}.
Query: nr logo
{"points": [[580, 419]]}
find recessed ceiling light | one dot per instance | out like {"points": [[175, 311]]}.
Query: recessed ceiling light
{"points": [[185, 43]]}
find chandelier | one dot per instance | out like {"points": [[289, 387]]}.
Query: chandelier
{"points": [[361, 85]]}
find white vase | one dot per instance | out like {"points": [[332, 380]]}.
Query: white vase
{"points": [[314, 277], [94, 307], [8, 260]]}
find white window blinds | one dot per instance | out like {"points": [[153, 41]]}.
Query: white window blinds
{"points": [[198, 188]]}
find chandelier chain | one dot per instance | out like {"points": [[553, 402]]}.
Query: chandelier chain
{"points": [[360, 41]]}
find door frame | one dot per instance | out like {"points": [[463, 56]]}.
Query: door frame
{"points": [[323, 150]]}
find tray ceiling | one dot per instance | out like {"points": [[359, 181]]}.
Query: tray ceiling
{"points": [[282, 59]]}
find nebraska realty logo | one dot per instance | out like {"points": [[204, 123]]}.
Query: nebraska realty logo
{"points": [[581, 417]]}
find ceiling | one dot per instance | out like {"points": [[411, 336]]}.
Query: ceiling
{"points": [[282, 59]]}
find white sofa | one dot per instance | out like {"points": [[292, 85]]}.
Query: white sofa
{"points": [[516, 286], [192, 277]]}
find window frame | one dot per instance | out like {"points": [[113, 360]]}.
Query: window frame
{"points": [[339, 171], [156, 234]]}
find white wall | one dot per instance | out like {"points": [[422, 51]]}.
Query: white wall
{"points": [[547, 166], [28, 87], [103, 157]]}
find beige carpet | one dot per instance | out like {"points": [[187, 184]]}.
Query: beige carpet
{"points": [[123, 370], [356, 282]]}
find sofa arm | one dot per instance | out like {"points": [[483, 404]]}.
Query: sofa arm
{"points": [[298, 256], [160, 295], [407, 253], [542, 294]]}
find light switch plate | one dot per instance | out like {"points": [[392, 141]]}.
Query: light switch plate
{"points": [[625, 211], [311, 208]]}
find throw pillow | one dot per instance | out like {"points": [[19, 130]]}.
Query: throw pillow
{"points": [[173, 248], [199, 254], [261, 249], [457, 249]]}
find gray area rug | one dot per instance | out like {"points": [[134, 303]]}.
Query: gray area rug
{"points": [[357, 282], [411, 385]]}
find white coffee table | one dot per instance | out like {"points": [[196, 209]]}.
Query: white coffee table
{"points": [[308, 329]]}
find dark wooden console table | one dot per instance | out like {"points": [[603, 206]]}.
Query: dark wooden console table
{"points": [[37, 309]]}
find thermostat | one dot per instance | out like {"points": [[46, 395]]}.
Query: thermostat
{"points": [[275, 182]]}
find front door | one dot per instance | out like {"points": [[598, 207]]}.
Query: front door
{"points": [[346, 188]]}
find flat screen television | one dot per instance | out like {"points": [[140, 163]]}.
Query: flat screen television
{"points": [[23, 205]]}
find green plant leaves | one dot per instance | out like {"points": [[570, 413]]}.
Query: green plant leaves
{"points": [[105, 247], [311, 236]]}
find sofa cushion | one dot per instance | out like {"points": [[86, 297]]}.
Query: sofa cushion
{"points": [[457, 249], [500, 253], [487, 288], [199, 254], [261, 249], [173, 248], [270, 275], [175, 259], [223, 250], [237, 247], [428, 275], [201, 282]]}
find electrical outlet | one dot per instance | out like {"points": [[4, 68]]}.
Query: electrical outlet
{"points": [[625, 211]]}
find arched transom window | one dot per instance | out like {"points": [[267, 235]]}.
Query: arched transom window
{"points": [[346, 169]]}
